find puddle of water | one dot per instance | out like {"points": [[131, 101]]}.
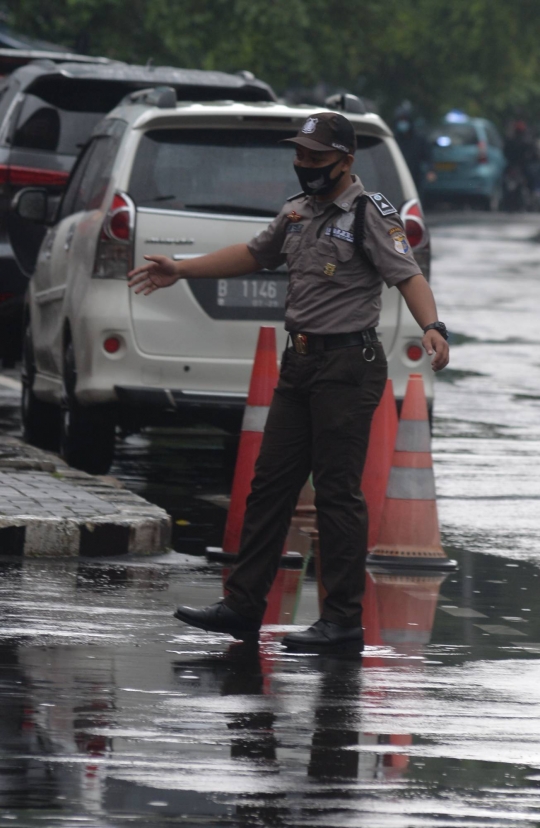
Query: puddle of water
{"points": [[111, 704]]}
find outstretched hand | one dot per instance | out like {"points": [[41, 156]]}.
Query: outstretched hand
{"points": [[436, 344], [159, 272]]}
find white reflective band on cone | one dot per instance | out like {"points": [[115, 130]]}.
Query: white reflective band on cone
{"points": [[413, 435], [411, 484], [255, 417]]}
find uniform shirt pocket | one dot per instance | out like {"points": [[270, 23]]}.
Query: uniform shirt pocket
{"points": [[344, 250], [291, 244], [325, 258]]}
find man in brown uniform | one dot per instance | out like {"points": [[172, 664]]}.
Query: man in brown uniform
{"points": [[331, 380]]}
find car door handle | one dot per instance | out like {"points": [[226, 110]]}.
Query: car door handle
{"points": [[69, 237]]}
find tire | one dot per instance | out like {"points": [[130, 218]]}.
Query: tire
{"points": [[40, 420], [87, 433]]}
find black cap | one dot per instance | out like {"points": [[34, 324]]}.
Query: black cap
{"points": [[326, 131]]}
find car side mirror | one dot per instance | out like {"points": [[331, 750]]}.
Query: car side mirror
{"points": [[32, 203]]}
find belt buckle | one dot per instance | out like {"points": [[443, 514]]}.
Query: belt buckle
{"points": [[300, 343]]}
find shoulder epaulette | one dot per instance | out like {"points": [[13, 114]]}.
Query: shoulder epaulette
{"points": [[291, 198], [382, 204]]}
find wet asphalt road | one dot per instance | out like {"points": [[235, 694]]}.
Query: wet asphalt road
{"points": [[114, 714]]}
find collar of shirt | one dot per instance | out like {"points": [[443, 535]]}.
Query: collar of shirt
{"points": [[344, 201]]}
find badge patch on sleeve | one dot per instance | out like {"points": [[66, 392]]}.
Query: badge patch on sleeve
{"points": [[329, 269], [295, 228], [382, 204], [399, 238]]}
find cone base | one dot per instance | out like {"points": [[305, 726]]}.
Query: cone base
{"points": [[380, 563], [291, 560]]}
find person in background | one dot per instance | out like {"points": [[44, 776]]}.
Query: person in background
{"points": [[414, 146]]}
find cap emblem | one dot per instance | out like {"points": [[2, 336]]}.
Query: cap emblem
{"points": [[310, 125]]}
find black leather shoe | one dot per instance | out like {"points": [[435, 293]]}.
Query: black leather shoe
{"points": [[219, 618], [324, 635]]}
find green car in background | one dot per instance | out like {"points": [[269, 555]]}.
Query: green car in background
{"points": [[468, 163]]}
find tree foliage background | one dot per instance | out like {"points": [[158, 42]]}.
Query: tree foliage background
{"points": [[479, 55]]}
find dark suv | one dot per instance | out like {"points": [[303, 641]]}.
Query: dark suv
{"points": [[47, 113]]}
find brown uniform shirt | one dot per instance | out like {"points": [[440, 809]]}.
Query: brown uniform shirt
{"points": [[332, 287]]}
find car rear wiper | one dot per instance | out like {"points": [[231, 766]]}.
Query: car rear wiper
{"points": [[232, 208], [158, 198]]}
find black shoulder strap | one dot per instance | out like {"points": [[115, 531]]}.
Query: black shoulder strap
{"points": [[296, 195], [359, 226]]}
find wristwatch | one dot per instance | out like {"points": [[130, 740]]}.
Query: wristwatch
{"points": [[437, 326]]}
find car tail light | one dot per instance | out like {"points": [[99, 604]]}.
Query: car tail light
{"points": [[119, 219], [112, 345], [482, 153], [415, 228], [414, 352], [115, 248], [31, 176]]}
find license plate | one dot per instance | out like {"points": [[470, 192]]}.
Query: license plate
{"points": [[251, 293], [445, 166]]}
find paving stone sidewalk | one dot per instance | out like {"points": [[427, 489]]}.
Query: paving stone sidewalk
{"points": [[48, 509]]}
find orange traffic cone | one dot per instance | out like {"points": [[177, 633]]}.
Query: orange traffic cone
{"points": [[382, 438], [264, 378], [409, 533]]}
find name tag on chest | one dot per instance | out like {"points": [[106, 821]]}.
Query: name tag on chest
{"points": [[338, 233]]}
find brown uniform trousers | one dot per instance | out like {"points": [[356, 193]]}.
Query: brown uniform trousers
{"points": [[319, 422]]}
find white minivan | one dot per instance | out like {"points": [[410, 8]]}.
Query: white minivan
{"points": [[180, 179]]}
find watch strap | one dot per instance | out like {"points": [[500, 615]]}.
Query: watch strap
{"points": [[437, 326]]}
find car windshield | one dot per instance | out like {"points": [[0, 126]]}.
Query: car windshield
{"points": [[237, 171], [454, 135]]}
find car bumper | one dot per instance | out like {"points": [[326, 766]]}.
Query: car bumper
{"points": [[179, 386], [139, 406], [477, 185]]}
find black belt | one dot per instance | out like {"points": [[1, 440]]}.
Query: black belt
{"points": [[304, 343]]}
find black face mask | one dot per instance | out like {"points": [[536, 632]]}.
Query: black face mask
{"points": [[316, 180]]}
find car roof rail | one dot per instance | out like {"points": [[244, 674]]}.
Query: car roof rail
{"points": [[163, 97], [347, 103]]}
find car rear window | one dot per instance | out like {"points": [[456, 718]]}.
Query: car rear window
{"points": [[238, 171], [457, 135], [41, 126]]}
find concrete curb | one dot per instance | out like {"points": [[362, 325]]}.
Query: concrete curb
{"points": [[48, 509]]}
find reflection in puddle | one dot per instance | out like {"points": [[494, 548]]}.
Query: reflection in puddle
{"points": [[111, 706]]}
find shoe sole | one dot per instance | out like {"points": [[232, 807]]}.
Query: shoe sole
{"points": [[240, 635]]}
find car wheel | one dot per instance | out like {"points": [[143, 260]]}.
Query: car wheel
{"points": [[40, 420], [87, 433]]}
